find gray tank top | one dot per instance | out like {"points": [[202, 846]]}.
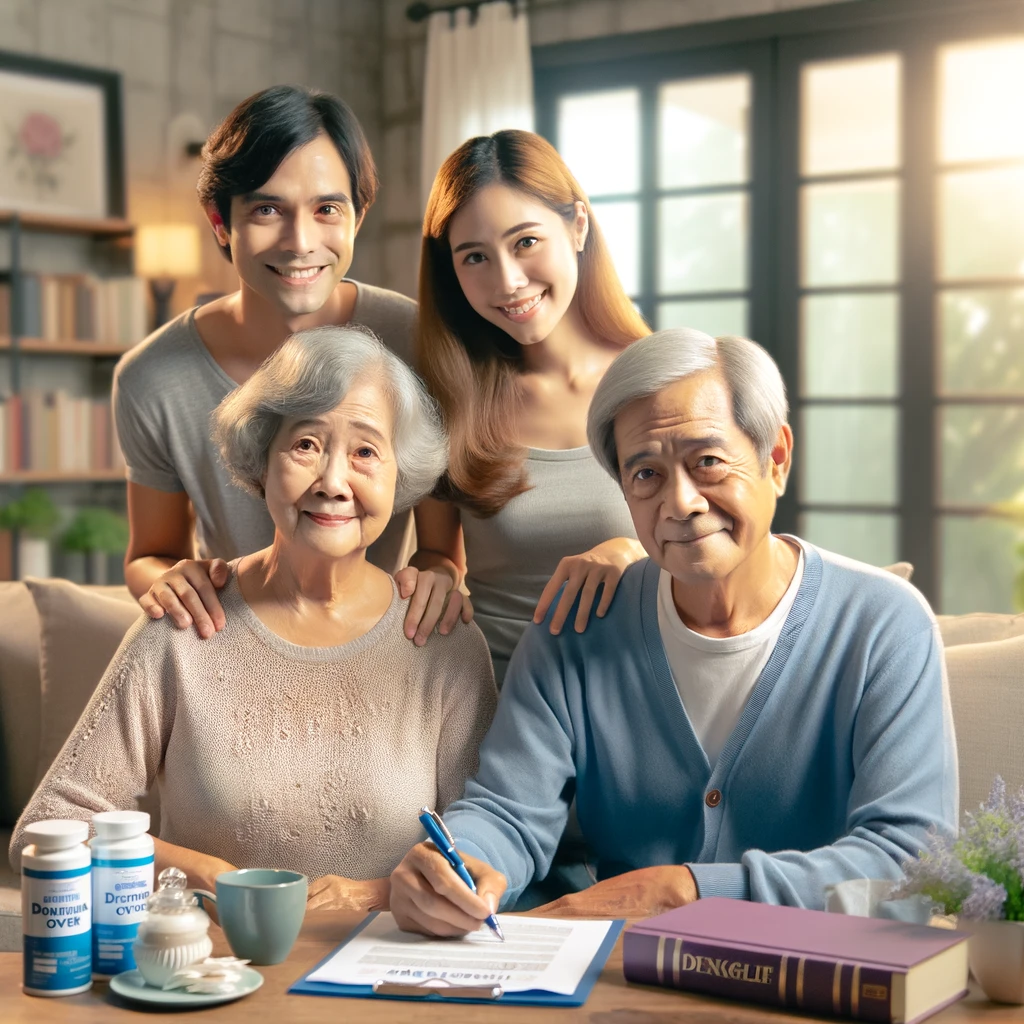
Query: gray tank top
{"points": [[573, 506]]}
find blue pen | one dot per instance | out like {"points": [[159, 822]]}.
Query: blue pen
{"points": [[439, 835]]}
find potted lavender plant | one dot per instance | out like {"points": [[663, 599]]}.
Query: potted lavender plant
{"points": [[978, 877]]}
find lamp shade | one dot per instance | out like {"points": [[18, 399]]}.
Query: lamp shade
{"points": [[167, 250]]}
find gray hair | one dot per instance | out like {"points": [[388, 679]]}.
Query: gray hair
{"points": [[308, 376], [650, 365]]}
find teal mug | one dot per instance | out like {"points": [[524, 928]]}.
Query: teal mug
{"points": [[260, 911]]}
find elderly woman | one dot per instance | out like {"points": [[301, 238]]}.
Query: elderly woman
{"points": [[309, 732]]}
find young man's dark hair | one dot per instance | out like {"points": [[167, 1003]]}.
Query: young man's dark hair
{"points": [[247, 147]]}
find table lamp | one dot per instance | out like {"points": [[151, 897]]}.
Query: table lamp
{"points": [[164, 253]]}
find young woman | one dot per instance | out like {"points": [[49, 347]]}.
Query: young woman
{"points": [[521, 313]]}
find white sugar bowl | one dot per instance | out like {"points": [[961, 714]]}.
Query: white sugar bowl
{"points": [[174, 932]]}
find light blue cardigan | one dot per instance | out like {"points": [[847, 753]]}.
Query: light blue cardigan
{"points": [[843, 757]]}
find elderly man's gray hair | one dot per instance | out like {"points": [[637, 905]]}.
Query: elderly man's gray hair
{"points": [[650, 365], [308, 376]]}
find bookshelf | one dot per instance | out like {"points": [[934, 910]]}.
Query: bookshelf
{"points": [[96, 227], [41, 347], [60, 357], [43, 476]]}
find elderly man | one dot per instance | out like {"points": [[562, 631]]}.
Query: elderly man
{"points": [[754, 717]]}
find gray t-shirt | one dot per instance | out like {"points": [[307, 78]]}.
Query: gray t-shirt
{"points": [[573, 506], [164, 393]]}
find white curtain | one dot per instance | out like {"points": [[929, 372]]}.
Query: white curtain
{"points": [[478, 80]]}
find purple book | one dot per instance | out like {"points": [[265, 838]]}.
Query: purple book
{"points": [[861, 967]]}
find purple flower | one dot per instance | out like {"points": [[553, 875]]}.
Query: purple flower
{"points": [[985, 901], [996, 803]]}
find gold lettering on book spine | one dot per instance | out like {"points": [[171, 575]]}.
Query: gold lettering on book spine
{"points": [[855, 991], [800, 982], [660, 961], [676, 953], [782, 980], [837, 987]]}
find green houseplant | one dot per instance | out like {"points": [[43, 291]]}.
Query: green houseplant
{"points": [[96, 532], [978, 875], [33, 517]]}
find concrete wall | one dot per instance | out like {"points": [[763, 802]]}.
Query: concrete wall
{"points": [[551, 21], [186, 63]]}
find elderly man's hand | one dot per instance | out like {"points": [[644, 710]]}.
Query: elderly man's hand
{"points": [[641, 893], [427, 896], [188, 593], [332, 892], [583, 574], [430, 589]]}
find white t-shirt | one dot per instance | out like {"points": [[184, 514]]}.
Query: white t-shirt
{"points": [[716, 675]]}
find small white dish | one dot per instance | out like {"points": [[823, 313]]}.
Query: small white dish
{"points": [[131, 985]]}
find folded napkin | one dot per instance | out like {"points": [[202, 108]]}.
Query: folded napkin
{"points": [[216, 975], [869, 897]]}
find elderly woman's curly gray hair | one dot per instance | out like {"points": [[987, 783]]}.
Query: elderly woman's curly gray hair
{"points": [[308, 376]]}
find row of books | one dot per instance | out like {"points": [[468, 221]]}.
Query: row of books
{"points": [[50, 431], [78, 307]]}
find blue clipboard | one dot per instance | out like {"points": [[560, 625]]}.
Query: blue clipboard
{"points": [[532, 997]]}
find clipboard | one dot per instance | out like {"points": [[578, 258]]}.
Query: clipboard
{"points": [[478, 994]]}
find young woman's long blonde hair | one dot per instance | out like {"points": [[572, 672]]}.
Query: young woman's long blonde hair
{"points": [[471, 365]]}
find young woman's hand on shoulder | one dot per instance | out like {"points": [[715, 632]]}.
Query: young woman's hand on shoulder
{"points": [[601, 566], [436, 601]]}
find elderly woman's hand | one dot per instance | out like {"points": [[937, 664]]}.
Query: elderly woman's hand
{"points": [[188, 593], [430, 589], [583, 574], [332, 892]]}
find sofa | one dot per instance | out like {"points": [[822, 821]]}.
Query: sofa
{"points": [[57, 637]]}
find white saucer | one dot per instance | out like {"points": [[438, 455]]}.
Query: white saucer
{"points": [[131, 985]]}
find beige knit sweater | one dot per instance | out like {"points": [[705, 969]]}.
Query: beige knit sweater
{"points": [[269, 754]]}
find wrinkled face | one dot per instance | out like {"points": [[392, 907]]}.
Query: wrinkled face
{"points": [[700, 499], [330, 481], [516, 260], [292, 239]]}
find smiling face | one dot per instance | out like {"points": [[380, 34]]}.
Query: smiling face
{"points": [[516, 260], [701, 501], [292, 240], [330, 481]]}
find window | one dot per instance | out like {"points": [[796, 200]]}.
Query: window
{"points": [[848, 191]]}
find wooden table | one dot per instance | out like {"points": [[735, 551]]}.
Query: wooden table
{"points": [[611, 1002]]}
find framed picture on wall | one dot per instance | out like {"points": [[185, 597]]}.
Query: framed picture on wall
{"points": [[61, 142]]}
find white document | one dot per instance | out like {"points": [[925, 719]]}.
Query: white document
{"points": [[538, 953]]}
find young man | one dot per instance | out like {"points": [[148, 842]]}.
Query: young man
{"points": [[286, 181]]}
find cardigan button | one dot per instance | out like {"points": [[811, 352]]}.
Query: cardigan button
{"points": [[713, 798]]}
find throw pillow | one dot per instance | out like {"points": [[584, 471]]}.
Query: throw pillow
{"points": [[902, 569], [19, 699], [979, 628], [987, 694], [80, 629]]}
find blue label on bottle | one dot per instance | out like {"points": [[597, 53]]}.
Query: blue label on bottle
{"points": [[112, 948], [56, 963], [57, 922], [119, 890]]}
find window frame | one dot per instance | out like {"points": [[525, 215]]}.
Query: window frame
{"points": [[772, 48]]}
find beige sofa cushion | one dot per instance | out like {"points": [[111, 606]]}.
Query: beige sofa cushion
{"points": [[80, 629], [986, 688], [19, 699], [905, 570], [979, 628]]}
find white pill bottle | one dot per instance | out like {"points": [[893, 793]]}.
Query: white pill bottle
{"points": [[122, 881], [56, 905]]}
